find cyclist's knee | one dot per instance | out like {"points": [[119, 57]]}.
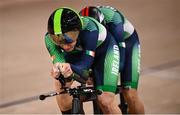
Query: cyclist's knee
{"points": [[134, 103], [106, 100], [64, 102], [130, 95]]}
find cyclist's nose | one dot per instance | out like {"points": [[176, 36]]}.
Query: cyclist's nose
{"points": [[68, 47]]}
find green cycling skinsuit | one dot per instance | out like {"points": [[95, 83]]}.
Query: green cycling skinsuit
{"points": [[97, 49]]}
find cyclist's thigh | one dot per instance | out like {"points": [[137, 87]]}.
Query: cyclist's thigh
{"points": [[130, 72], [106, 66]]}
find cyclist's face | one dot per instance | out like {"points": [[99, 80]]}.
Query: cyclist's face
{"points": [[67, 41]]}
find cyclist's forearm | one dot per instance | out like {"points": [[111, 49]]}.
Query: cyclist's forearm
{"points": [[82, 66]]}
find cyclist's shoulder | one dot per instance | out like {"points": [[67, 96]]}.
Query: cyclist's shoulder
{"points": [[47, 37], [111, 14], [48, 41], [88, 24], [109, 8], [96, 31], [91, 24]]}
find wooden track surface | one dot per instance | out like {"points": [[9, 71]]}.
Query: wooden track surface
{"points": [[25, 63]]}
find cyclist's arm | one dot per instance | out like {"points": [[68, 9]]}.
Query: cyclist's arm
{"points": [[54, 51], [118, 24], [114, 20], [89, 42]]}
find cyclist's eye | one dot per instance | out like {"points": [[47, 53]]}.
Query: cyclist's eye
{"points": [[67, 38]]}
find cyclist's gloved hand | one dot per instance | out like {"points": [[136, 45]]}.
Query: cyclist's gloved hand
{"points": [[65, 69]]}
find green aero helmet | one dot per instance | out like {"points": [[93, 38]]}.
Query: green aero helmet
{"points": [[63, 20]]}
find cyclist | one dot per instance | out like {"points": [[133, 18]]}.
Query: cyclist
{"points": [[77, 44], [128, 42]]}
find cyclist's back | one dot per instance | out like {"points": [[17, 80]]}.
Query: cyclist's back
{"points": [[129, 45]]}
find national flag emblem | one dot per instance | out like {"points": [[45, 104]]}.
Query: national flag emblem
{"points": [[91, 53]]}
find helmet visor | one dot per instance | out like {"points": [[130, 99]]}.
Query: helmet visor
{"points": [[61, 39]]}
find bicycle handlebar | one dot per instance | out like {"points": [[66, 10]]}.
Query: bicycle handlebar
{"points": [[73, 91], [74, 76], [43, 97]]}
